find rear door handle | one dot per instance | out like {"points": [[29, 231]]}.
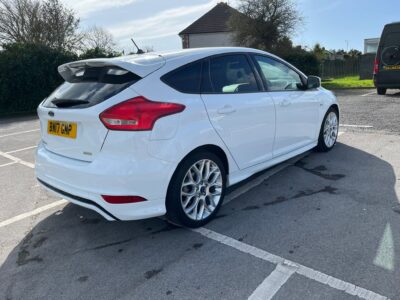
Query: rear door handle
{"points": [[285, 103], [226, 110]]}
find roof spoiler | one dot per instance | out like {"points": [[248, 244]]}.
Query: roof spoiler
{"points": [[141, 65]]}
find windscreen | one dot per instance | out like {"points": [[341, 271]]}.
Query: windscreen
{"points": [[88, 86]]}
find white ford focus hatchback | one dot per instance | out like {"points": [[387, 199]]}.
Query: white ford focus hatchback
{"points": [[165, 133]]}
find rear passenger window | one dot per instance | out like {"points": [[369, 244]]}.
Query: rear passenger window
{"points": [[186, 79], [232, 74]]}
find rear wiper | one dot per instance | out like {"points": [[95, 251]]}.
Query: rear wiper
{"points": [[68, 102]]}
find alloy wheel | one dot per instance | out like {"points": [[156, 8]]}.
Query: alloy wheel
{"points": [[331, 129], [201, 189]]}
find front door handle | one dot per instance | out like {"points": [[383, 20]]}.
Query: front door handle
{"points": [[226, 110], [285, 103]]}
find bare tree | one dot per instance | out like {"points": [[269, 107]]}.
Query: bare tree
{"points": [[264, 24], [97, 37], [45, 22]]}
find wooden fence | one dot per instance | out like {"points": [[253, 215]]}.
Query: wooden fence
{"points": [[340, 68]]}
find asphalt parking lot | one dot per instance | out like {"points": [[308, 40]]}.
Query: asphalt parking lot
{"points": [[321, 226]]}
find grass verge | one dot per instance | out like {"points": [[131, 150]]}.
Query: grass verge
{"points": [[350, 82]]}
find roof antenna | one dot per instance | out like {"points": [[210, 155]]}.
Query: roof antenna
{"points": [[139, 51]]}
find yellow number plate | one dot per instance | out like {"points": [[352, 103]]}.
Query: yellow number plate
{"points": [[391, 67], [64, 129]]}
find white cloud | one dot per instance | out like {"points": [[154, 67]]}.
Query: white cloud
{"points": [[165, 23], [86, 7]]}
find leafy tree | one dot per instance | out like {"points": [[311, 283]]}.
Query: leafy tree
{"points": [[46, 22], [319, 52], [265, 24], [354, 53], [98, 53]]}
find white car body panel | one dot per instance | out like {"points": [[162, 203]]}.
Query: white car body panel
{"points": [[259, 133], [246, 124], [297, 120]]}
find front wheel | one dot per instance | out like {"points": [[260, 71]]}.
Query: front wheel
{"points": [[329, 131], [196, 190], [381, 91]]}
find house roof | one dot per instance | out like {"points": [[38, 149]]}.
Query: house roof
{"points": [[216, 20]]}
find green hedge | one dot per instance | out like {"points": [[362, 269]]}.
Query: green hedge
{"points": [[28, 74], [306, 62]]}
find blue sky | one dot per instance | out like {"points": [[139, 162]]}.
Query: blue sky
{"points": [[156, 23]]}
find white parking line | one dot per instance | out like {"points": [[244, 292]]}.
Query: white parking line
{"points": [[356, 126], [17, 160], [333, 282], [8, 164], [18, 133], [19, 150], [32, 213], [271, 285], [369, 94]]}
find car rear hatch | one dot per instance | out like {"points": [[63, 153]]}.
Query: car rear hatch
{"points": [[69, 117], [389, 56]]}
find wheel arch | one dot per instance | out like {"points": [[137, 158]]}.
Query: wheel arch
{"points": [[210, 148], [336, 108]]}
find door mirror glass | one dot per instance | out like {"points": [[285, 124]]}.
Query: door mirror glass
{"points": [[313, 82]]}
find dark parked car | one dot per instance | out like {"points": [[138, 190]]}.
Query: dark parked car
{"points": [[387, 61]]}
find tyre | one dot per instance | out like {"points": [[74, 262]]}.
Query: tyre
{"points": [[196, 190], [329, 131], [381, 91]]}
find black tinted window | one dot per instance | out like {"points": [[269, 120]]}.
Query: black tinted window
{"points": [[232, 74], [206, 87], [88, 86], [185, 79], [392, 39]]}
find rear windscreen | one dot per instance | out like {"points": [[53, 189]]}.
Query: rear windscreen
{"points": [[88, 86]]}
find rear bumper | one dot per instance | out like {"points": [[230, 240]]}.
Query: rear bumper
{"points": [[379, 83], [83, 183], [387, 86]]}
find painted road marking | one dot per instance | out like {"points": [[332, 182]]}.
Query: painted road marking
{"points": [[32, 213], [356, 126], [333, 282], [17, 160], [340, 133], [8, 164], [369, 94], [271, 285], [19, 150], [18, 133]]}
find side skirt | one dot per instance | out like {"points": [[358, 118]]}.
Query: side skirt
{"points": [[246, 173]]}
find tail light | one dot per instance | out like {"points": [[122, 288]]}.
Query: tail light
{"points": [[122, 199], [376, 66], [137, 114]]}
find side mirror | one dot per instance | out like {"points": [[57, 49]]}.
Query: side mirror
{"points": [[313, 82]]}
